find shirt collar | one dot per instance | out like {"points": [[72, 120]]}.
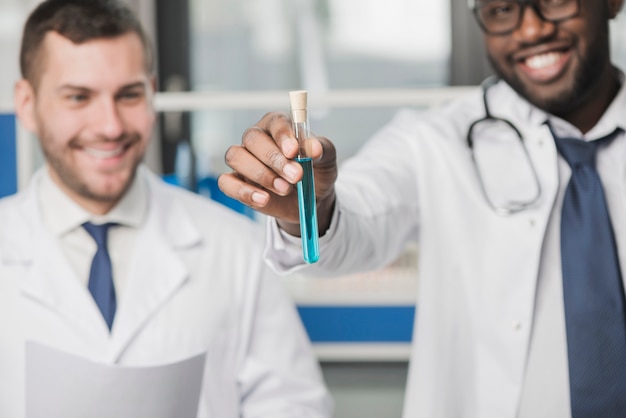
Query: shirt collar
{"points": [[612, 118], [62, 215]]}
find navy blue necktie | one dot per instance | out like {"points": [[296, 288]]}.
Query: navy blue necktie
{"points": [[101, 274], [592, 289]]}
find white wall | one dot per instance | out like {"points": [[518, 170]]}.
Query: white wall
{"points": [[13, 13]]}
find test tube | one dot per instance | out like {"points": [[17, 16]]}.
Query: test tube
{"points": [[306, 186]]}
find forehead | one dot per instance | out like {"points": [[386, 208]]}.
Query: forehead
{"points": [[101, 61]]}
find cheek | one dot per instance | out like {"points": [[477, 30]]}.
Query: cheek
{"points": [[149, 125], [57, 129], [496, 50], [140, 120], [146, 127]]}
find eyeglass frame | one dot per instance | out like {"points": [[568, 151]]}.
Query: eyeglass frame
{"points": [[501, 210], [472, 4]]}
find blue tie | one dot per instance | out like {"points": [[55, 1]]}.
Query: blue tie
{"points": [[101, 274], [592, 289]]}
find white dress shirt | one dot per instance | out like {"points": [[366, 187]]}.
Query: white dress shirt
{"points": [[546, 386], [64, 217]]}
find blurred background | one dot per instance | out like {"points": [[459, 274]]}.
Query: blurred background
{"points": [[238, 49], [223, 63]]}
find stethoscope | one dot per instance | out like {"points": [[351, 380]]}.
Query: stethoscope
{"points": [[512, 206]]}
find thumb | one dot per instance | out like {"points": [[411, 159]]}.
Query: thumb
{"points": [[324, 167]]}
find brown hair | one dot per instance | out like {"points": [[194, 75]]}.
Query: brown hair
{"points": [[79, 21]]}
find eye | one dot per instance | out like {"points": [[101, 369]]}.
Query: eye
{"points": [[554, 3], [131, 96], [77, 98], [497, 10]]}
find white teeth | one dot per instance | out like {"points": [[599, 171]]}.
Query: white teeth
{"points": [[544, 60], [94, 152]]}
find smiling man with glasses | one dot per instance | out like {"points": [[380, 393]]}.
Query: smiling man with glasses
{"points": [[516, 197]]}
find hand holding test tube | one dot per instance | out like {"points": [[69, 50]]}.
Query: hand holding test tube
{"points": [[306, 186]]}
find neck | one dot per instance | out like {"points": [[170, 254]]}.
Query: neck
{"points": [[92, 205], [587, 114]]}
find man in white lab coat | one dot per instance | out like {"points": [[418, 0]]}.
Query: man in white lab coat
{"points": [[492, 334], [187, 276]]}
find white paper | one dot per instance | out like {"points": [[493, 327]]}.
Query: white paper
{"points": [[61, 385]]}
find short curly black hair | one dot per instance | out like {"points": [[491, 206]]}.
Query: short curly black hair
{"points": [[79, 21]]}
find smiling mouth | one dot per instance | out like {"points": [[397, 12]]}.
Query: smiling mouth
{"points": [[104, 154], [541, 61], [545, 67]]}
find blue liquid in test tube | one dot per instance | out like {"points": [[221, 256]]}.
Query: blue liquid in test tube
{"points": [[306, 187]]}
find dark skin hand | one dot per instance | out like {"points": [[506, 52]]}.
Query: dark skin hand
{"points": [[264, 173]]}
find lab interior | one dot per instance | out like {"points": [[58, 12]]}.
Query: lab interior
{"points": [[222, 64]]}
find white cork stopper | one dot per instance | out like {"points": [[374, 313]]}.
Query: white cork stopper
{"points": [[298, 100]]}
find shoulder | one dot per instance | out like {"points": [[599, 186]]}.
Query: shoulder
{"points": [[444, 119], [451, 120], [208, 217], [19, 222], [17, 206], [9, 203], [416, 128]]}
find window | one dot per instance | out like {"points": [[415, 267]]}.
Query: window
{"points": [[317, 45]]}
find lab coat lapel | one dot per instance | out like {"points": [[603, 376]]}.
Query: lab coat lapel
{"points": [[52, 282], [524, 250], [157, 271], [49, 279]]}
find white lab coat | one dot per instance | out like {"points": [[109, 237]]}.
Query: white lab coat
{"points": [[196, 284], [415, 180]]}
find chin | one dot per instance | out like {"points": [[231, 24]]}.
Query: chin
{"points": [[103, 196], [555, 98], [109, 190]]}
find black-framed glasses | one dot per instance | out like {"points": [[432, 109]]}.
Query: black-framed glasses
{"points": [[501, 17], [506, 174]]}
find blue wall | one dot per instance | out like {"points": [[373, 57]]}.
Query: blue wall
{"points": [[8, 155], [358, 324]]}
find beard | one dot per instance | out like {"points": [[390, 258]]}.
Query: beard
{"points": [[70, 176], [582, 85]]}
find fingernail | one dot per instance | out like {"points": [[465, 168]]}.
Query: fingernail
{"points": [[291, 171], [289, 146], [281, 185], [259, 198]]}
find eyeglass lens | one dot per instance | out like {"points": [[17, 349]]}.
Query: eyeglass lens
{"points": [[504, 16]]}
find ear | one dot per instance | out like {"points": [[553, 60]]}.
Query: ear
{"points": [[614, 7], [24, 100]]}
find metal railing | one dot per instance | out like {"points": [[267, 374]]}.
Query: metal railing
{"points": [[270, 100], [191, 101]]}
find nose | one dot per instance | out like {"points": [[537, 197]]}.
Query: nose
{"points": [[533, 27], [108, 122]]}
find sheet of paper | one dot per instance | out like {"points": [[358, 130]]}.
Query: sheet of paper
{"points": [[59, 384]]}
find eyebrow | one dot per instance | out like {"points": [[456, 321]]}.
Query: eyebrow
{"points": [[138, 84]]}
